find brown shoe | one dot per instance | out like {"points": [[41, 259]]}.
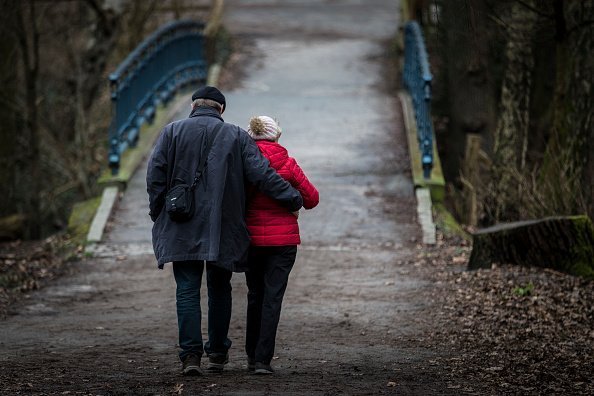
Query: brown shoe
{"points": [[217, 361], [191, 365], [263, 368]]}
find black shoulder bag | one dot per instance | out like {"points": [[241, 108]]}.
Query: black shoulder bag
{"points": [[179, 200]]}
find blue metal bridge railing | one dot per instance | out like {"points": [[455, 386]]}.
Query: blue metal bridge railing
{"points": [[169, 59], [417, 80]]}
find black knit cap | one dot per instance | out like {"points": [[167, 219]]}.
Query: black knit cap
{"points": [[208, 92]]}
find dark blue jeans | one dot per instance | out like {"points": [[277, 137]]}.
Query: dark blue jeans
{"points": [[188, 277], [267, 278]]}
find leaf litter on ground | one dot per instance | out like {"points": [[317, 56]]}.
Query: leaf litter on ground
{"points": [[511, 328]]}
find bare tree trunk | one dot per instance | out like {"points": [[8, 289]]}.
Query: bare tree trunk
{"points": [[511, 134], [81, 140], [8, 109], [468, 93], [568, 169], [28, 39], [142, 11], [88, 64]]}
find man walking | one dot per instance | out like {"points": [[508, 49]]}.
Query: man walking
{"points": [[215, 237]]}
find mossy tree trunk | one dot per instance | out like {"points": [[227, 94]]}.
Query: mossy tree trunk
{"points": [[563, 243]]}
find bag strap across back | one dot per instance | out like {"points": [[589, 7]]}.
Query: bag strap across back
{"points": [[205, 154]]}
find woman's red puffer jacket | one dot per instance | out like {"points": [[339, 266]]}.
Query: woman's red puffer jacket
{"points": [[268, 222]]}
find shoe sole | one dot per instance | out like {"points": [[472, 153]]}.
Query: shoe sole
{"points": [[263, 371], [215, 366], [192, 371]]}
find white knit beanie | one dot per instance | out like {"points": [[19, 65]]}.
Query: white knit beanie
{"points": [[264, 128]]}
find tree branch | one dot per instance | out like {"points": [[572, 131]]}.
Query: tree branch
{"points": [[22, 36], [581, 25], [535, 10], [35, 39], [103, 21]]}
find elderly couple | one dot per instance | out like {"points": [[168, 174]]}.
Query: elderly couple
{"points": [[245, 193]]}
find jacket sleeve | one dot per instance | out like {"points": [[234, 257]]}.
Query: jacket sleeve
{"points": [[258, 172], [308, 191], [156, 175]]}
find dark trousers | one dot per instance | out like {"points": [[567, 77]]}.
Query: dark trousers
{"points": [[267, 278], [188, 277]]}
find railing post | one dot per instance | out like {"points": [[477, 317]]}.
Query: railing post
{"points": [[114, 152], [417, 80]]}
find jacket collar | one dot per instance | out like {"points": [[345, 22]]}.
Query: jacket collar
{"points": [[205, 111], [272, 150]]}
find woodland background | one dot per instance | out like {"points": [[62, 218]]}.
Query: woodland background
{"points": [[55, 57], [512, 103]]}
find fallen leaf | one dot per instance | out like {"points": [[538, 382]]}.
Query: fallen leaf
{"points": [[178, 388]]}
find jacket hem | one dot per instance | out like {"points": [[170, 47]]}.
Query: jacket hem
{"points": [[184, 257]]}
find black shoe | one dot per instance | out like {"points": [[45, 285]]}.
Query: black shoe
{"points": [[191, 365], [251, 364], [262, 368], [217, 361]]}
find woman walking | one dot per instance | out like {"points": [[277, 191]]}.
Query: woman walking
{"points": [[274, 234]]}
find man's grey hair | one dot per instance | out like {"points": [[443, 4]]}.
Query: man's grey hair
{"points": [[207, 102]]}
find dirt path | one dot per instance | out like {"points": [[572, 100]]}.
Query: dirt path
{"points": [[353, 298]]}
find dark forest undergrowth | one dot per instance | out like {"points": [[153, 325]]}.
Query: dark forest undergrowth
{"points": [[512, 329]]}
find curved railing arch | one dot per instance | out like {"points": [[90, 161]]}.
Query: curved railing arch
{"points": [[169, 59], [417, 80]]}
